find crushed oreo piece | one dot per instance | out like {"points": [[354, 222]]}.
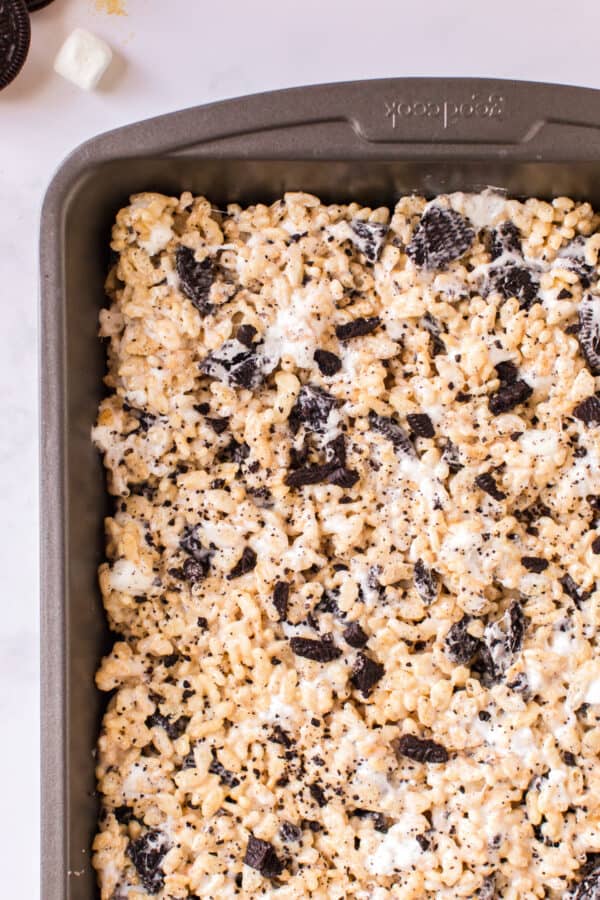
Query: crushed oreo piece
{"points": [[368, 238], [442, 236], [388, 428], [507, 371], [145, 419], [487, 891], [421, 425], [146, 854], [318, 650], [532, 513], [572, 258], [515, 281], [589, 331], [589, 887], [218, 425], [366, 673], [328, 604], [343, 477], [335, 451], [225, 776], [290, 833], [318, 794], [194, 571], [281, 594], [195, 278], [451, 456], [572, 590], [506, 238], [123, 814], [246, 563], [260, 855], [174, 728], [329, 364], [487, 483], [191, 543], [246, 334], [535, 564], [280, 736], [588, 411], [434, 327], [426, 582], [234, 452], [419, 749], [508, 396], [235, 365], [312, 409], [354, 635], [502, 639], [262, 496], [357, 328], [310, 475], [459, 645], [380, 822]]}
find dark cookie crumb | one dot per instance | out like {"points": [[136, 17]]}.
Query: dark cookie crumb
{"points": [[421, 425], [281, 593], [318, 794], [572, 590], [506, 238], [389, 428], [146, 854], [312, 409], [218, 425], [174, 728], [328, 363], [588, 333], [290, 833], [246, 334], [508, 396], [515, 281], [246, 563], [195, 278], [225, 776], [534, 563], [588, 411], [319, 651], [357, 328], [380, 822], [426, 582], [368, 238], [366, 673], [354, 635], [486, 483], [260, 855], [459, 645], [419, 749], [442, 236]]}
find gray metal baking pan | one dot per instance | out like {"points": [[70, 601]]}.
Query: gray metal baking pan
{"points": [[369, 141]]}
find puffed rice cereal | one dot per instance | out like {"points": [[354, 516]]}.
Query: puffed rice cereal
{"points": [[353, 558]]}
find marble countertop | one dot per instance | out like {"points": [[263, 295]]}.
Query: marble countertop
{"points": [[167, 56]]}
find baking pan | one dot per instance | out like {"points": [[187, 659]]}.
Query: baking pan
{"points": [[368, 141]]}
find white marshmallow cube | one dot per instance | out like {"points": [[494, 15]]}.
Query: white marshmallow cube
{"points": [[83, 59]]}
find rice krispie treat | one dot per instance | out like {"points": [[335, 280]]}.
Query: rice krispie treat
{"points": [[353, 558]]}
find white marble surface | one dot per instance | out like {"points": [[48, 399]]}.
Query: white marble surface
{"points": [[169, 55]]}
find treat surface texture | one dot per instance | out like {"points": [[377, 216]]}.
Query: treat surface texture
{"points": [[353, 557]]}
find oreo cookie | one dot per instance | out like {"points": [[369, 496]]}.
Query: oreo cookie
{"points": [[15, 36], [34, 5]]}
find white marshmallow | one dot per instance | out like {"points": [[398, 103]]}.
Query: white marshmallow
{"points": [[83, 59]]}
